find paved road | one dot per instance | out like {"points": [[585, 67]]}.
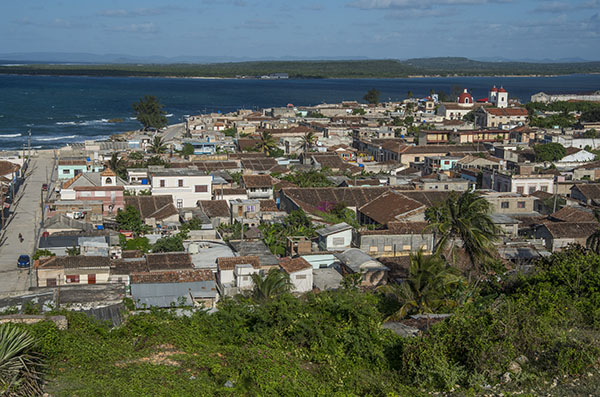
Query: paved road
{"points": [[25, 220], [173, 131]]}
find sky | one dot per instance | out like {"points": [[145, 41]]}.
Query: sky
{"points": [[399, 29]]}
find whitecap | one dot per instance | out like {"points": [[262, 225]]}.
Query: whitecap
{"points": [[169, 115], [56, 138], [66, 123], [10, 135]]}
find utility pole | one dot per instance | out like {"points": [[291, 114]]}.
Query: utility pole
{"points": [[29, 147]]}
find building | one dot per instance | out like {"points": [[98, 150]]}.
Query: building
{"points": [[300, 273], [487, 117], [104, 186], [559, 235], [68, 270], [399, 239], [155, 210], [587, 193], [186, 186], [67, 169], [335, 237], [591, 96], [258, 186], [498, 97], [354, 261], [235, 273], [522, 184]]}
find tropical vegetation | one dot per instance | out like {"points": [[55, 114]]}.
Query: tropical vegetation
{"points": [[266, 143], [157, 146], [149, 112]]}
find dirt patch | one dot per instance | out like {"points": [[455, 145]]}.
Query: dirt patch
{"points": [[161, 357]]}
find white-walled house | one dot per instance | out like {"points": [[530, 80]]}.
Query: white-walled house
{"points": [[300, 272], [522, 184], [187, 186], [335, 237]]}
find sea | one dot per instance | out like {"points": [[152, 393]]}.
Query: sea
{"points": [[58, 110]]}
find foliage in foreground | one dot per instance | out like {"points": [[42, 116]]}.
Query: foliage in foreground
{"points": [[20, 366], [544, 324]]}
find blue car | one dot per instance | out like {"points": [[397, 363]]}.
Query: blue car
{"points": [[23, 261]]}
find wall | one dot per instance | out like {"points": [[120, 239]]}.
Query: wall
{"points": [[302, 280], [186, 193]]}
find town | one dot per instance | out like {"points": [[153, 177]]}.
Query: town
{"points": [[195, 212], [362, 194]]}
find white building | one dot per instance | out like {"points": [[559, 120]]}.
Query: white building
{"points": [[300, 272], [335, 237], [522, 184], [498, 97], [187, 186]]}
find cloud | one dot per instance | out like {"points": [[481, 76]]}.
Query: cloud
{"points": [[420, 13], [58, 23], [412, 4], [147, 27]]}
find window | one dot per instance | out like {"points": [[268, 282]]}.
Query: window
{"points": [[73, 278], [51, 282], [250, 208], [301, 277], [252, 189], [66, 172], [417, 159], [179, 203], [245, 278], [445, 187], [520, 189], [531, 189], [544, 188], [406, 248], [180, 182], [108, 180], [201, 188], [373, 248], [521, 204], [338, 241], [504, 204], [162, 183], [446, 162], [91, 279], [387, 248]]}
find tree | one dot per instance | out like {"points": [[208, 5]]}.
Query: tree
{"points": [[169, 244], [266, 143], [275, 283], [549, 151], [149, 111], [307, 141], [73, 251], [130, 219], [429, 285], [464, 217], [187, 150], [157, 146], [118, 165], [136, 155], [20, 366], [372, 96], [593, 241], [409, 94]]}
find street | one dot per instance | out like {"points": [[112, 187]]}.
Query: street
{"points": [[25, 220]]}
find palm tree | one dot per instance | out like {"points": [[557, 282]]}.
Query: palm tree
{"points": [[118, 165], [266, 143], [20, 367], [428, 287], [273, 284], [464, 217], [157, 146], [308, 141], [593, 241]]}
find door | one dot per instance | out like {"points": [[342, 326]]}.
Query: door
{"points": [[91, 279]]}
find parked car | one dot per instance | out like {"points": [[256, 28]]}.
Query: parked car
{"points": [[23, 261], [45, 187]]}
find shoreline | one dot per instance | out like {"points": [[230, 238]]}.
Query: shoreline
{"points": [[424, 76]]}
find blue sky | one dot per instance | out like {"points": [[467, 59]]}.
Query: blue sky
{"points": [[513, 29]]}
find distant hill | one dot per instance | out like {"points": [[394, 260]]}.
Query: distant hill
{"points": [[390, 68]]}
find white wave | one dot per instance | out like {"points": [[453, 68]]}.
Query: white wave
{"points": [[133, 118], [67, 123], [56, 138], [29, 125], [10, 135], [169, 115], [36, 147]]}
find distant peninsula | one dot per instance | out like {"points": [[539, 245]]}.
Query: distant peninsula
{"points": [[390, 68]]}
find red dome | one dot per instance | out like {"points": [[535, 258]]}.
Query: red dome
{"points": [[465, 97], [494, 89], [501, 90]]}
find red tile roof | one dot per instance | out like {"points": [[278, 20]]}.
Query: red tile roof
{"points": [[293, 265]]}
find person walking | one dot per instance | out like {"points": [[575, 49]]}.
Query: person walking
{"points": [[20, 237]]}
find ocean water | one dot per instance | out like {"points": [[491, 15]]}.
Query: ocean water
{"points": [[59, 110]]}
